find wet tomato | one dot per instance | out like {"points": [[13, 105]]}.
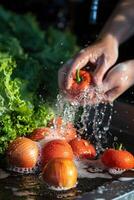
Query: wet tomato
{"points": [[56, 149], [81, 82], [122, 159], [60, 172], [22, 152], [40, 133], [82, 148]]}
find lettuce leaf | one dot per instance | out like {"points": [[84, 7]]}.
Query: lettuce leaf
{"points": [[29, 62]]}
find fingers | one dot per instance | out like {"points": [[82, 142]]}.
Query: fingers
{"points": [[78, 63], [62, 74], [112, 86], [118, 80], [101, 69], [113, 94]]}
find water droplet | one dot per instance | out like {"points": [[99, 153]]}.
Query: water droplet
{"points": [[61, 62]]}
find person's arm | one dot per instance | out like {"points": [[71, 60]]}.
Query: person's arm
{"points": [[120, 25], [118, 28], [104, 52]]}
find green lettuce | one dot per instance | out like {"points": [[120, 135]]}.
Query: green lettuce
{"points": [[29, 61]]}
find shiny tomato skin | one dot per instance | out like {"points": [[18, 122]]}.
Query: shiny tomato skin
{"points": [[60, 172], [56, 149], [76, 87], [82, 148], [40, 133], [118, 159]]}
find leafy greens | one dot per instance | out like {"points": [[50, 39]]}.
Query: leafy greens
{"points": [[29, 61]]}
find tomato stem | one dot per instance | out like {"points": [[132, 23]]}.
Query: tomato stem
{"points": [[78, 78], [117, 146], [120, 147]]}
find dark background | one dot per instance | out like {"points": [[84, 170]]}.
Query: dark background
{"points": [[76, 15]]}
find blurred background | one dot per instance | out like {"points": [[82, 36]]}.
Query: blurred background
{"points": [[84, 18]]}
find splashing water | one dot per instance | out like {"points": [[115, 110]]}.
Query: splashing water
{"points": [[95, 118], [65, 109]]}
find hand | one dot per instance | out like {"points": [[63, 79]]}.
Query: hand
{"points": [[103, 54], [118, 80]]}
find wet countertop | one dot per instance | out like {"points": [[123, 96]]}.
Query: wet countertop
{"points": [[30, 187]]}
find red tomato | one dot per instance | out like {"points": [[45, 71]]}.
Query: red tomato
{"points": [[82, 148], [80, 83], [60, 172], [118, 159], [56, 149], [66, 130], [40, 133]]}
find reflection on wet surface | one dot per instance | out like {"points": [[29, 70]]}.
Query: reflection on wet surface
{"points": [[31, 187]]}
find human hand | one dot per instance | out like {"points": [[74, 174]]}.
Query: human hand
{"points": [[118, 80], [102, 54]]}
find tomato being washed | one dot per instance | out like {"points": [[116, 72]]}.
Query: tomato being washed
{"points": [[60, 172], [122, 159], [82, 148], [81, 82], [64, 130], [56, 149]]}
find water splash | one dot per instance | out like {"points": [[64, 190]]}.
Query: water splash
{"points": [[94, 118]]}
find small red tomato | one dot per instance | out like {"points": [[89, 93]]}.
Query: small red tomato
{"points": [[22, 152], [40, 133], [60, 172], [82, 148], [56, 149], [122, 159], [64, 130], [81, 81]]}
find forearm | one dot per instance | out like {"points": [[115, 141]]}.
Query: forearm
{"points": [[120, 26]]}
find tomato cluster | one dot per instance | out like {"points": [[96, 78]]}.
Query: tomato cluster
{"points": [[57, 154]]}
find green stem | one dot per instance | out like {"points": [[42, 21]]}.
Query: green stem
{"points": [[78, 78], [117, 146], [120, 147]]}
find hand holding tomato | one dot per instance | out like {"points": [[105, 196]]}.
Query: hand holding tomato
{"points": [[102, 55]]}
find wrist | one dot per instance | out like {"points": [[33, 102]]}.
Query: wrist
{"points": [[110, 40]]}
